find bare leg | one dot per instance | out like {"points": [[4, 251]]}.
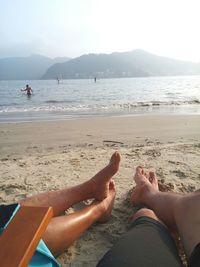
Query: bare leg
{"points": [[64, 230], [177, 211], [146, 212], [96, 187]]}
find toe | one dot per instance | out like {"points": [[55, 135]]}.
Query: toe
{"points": [[147, 175], [152, 176], [112, 185], [115, 158], [114, 162], [139, 170]]}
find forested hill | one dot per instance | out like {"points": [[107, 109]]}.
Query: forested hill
{"points": [[135, 63]]}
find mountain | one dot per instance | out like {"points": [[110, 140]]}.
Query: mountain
{"points": [[135, 63], [26, 68]]}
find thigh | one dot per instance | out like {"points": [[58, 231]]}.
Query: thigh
{"points": [[147, 244]]}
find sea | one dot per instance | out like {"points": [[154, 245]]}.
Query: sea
{"points": [[72, 99]]}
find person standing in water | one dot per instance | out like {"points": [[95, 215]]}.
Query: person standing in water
{"points": [[28, 90]]}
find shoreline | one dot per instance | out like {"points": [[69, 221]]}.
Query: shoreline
{"points": [[32, 117]]}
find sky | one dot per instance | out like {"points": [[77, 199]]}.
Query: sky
{"points": [[70, 28]]}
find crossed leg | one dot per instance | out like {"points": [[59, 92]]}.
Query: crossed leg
{"points": [[180, 212], [64, 230]]}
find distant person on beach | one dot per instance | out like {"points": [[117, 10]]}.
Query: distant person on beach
{"points": [[28, 90], [95, 79], [148, 243]]}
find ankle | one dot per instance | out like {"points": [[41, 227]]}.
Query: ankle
{"points": [[98, 210], [147, 195], [92, 188], [87, 190]]}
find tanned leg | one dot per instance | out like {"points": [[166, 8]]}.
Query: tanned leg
{"points": [[61, 200], [64, 230], [179, 212]]}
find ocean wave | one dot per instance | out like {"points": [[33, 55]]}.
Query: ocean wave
{"points": [[45, 109], [74, 108], [8, 104], [160, 103], [58, 101]]}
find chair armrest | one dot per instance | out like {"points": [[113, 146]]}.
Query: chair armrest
{"points": [[21, 237]]}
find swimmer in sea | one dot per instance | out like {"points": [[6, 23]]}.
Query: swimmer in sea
{"points": [[28, 90]]}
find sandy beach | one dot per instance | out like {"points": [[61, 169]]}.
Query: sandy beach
{"points": [[40, 156]]}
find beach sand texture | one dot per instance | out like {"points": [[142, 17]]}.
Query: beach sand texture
{"points": [[35, 157]]}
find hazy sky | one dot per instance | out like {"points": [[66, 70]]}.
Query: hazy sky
{"points": [[75, 27]]}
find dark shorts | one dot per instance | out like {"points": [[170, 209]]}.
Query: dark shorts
{"points": [[194, 260], [147, 244]]}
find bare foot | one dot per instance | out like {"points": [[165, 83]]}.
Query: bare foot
{"points": [[100, 182], [144, 181], [106, 205]]}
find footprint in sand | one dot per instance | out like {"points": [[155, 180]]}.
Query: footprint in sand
{"points": [[5, 159], [180, 174], [153, 153], [74, 162]]}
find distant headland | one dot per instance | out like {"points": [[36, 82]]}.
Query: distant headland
{"points": [[136, 63]]}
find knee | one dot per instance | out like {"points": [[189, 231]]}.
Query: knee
{"points": [[145, 212]]}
